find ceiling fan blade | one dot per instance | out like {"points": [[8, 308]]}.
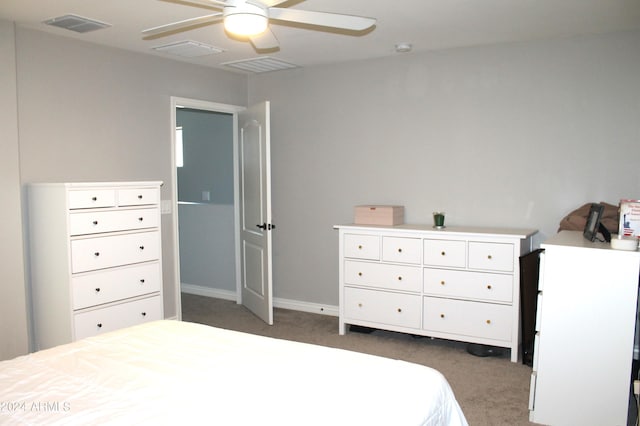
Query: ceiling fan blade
{"points": [[177, 26], [322, 19], [265, 41]]}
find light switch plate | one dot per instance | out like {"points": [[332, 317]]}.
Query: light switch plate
{"points": [[165, 206]]}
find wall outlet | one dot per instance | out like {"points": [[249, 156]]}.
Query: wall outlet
{"points": [[636, 387], [206, 195]]}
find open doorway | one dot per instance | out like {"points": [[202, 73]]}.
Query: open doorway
{"points": [[217, 113], [205, 182], [248, 232]]}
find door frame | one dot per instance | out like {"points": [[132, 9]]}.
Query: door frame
{"points": [[177, 102]]}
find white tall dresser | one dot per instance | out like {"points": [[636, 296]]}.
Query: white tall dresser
{"points": [[457, 283], [585, 326], [95, 258]]}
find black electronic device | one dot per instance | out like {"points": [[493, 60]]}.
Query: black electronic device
{"points": [[593, 225]]}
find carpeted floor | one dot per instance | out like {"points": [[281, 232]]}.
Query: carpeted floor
{"points": [[491, 390]]}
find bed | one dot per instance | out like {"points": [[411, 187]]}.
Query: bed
{"points": [[173, 372]]}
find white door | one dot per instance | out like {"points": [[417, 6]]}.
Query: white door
{"points": [[255, 211]]}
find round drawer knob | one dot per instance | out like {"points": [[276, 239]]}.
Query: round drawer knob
{"points": [[98, 290], [359, 274], [144, 314], [360, 247], [489, 286], [95, 222], [399, 278], [99, 325], [139, 197], [443, 254], [94, 198], [141, 280], [141, 247], [359, 305], [399, 250], [140, 219], [441, 282], [96, 254], [488, 321], [399, 309], [489, 257], [441, 315]]}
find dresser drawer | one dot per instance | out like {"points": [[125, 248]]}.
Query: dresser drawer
{"points": [[448, 253], [381, 307], [491, 256], [362, 246], [391, 277], [108, 221], [91, 198], [403, 250], [475, 319], [89, 254], [110, 285], [103, 320], [469, 285], [138, 196]]}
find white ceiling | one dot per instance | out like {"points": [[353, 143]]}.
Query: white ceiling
{"points": [[426, 24]]}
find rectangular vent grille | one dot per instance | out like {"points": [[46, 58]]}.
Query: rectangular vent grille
{"points": [[188, 49], [259, 65], [76, 23]]}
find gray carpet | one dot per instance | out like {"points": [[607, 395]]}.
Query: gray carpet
{"points": [[490, 390]]}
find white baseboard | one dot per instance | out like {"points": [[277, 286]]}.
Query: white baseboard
{"points": [[295, 305], [208, 291]]}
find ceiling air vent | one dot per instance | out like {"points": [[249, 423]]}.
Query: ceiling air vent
{"points": [[76, 23], [188, 49], [259, 65]]}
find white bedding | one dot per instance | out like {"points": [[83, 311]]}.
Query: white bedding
{"points": [[171, 372]]}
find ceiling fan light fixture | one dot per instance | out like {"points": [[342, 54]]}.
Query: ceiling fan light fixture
{"points": [[249, 20], [245, 24]]}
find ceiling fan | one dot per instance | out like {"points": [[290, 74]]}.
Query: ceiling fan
{"points": [[250, 19]]}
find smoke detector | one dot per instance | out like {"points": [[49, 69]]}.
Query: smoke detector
{"points": [[403, 47]]}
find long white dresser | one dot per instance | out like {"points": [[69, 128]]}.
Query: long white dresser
{"points": [[586, 322], [458, 283], [95, 258]]}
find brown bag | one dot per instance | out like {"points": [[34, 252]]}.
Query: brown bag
{"points": [[577, 219]]}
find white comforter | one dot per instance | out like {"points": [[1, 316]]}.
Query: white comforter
{"points": [[170, 372]]}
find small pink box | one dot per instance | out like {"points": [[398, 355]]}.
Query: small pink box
{"points": [[379, 215]]}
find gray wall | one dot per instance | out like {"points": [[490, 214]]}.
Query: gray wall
{"points": [[91, 113], [511, 135], [207, 248], [13, 308], [208, 156]]}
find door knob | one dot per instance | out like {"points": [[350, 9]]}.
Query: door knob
{"points": [[265, 226]]}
